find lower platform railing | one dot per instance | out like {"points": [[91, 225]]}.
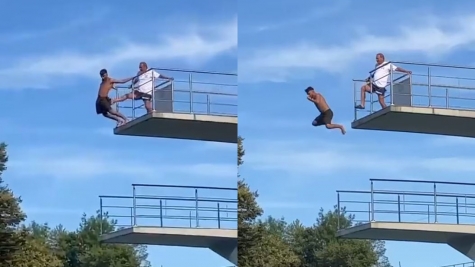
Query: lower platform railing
{"points": [[173, 206], [424, 202]]}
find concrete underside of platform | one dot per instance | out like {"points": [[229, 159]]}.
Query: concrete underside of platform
{"points": [[420, 120], [183, 126], [459, 237], [221, 241]]}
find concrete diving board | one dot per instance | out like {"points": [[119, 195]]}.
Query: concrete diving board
{"points": [[426, 102], [182, 126], [424, 120], [221, 241], [459, 237]]}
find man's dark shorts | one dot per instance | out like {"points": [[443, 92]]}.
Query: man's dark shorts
{"points": [[378, 90], [103, 105], [141, 96], [324, 118]]}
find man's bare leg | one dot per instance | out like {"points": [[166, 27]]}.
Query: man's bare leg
{"points": [[336, 126], [148, 105], [381, 101], [118, 114], [122, 98], [112, 117], [364, 89]]}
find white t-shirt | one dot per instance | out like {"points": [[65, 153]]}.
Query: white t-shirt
{"points": [[144, 83], [381, 76]]}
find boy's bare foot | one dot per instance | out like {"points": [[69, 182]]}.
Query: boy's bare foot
{"points": [[343, 131]]}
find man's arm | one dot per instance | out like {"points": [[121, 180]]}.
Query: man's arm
{"points": [[158, 75], [400, 69], [136, 78], [121, 80], [317, 99]]}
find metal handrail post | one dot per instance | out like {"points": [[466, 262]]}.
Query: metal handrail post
{"points": [[372, 201], [391, 87], [208, 104], [190, 87], [173, 95], [429, 86], [196, 207], [435, 203], [132, 90], [134, 205], [355, 101], [153, 91], [370, 95]]}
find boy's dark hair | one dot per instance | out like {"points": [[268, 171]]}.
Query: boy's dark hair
{"points": [[310, 88], [102, 72]]}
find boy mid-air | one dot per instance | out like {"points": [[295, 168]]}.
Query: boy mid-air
{"points": [[104, 103], [326, 114]]}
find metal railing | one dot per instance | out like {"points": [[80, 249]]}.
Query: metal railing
{"points": [[195, 92], [466, 264], [173, 206], [424, 202], [429, 85]]}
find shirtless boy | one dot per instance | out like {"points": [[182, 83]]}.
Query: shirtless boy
{"points": [[103, 102], [326, 114]]}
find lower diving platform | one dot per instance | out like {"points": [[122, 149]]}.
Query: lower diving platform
{"points": [[221, 241], [426, 101], [173, 215], [441, 215], [195, 105]]}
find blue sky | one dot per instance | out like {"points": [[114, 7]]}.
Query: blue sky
{"points": [[291, 45], [62, 155]]}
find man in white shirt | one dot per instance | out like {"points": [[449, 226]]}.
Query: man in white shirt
{"points": [[143, 85], [380, 79]]}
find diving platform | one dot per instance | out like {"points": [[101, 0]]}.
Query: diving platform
{"points": [[171, 215], [427, 101], [196, 105], [221, 241], [182, 126], [444, 213]]}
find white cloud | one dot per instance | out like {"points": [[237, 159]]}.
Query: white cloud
{"points": [[430, 37], [322, 12], [97, 15], [84, 163], [193, 44]]}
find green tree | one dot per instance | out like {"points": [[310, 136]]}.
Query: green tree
{"points": [[257, 246], [35, 252], [318, 245], [11, 216], [82, 248]]}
